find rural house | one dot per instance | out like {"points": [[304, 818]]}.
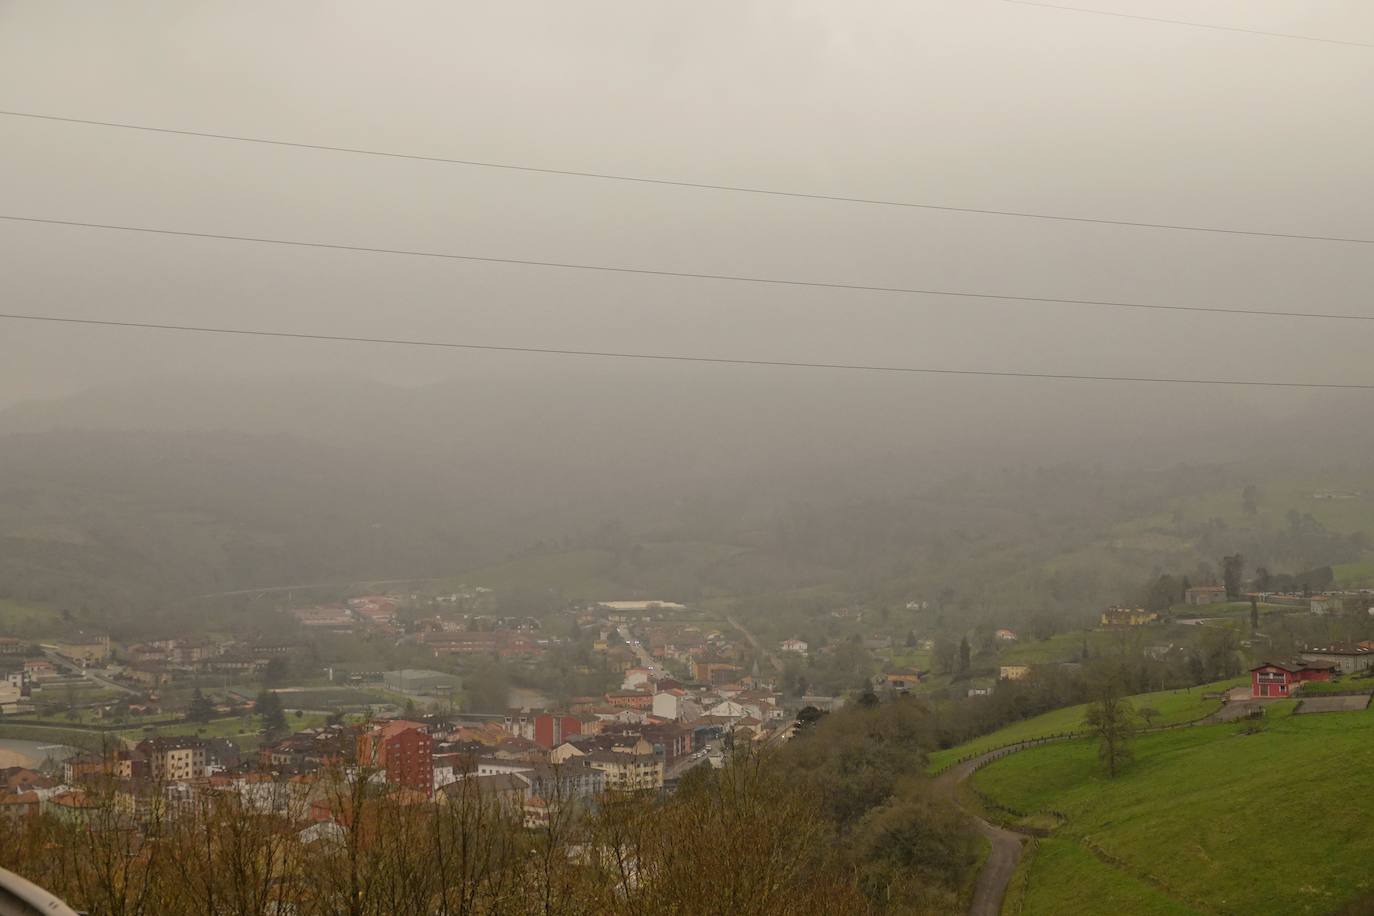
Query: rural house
{"points": [[1204, 594], [1127, 617], [1346, 659], [1280, 679]]}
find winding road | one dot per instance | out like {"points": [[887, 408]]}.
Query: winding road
{"points": [[1001, 864], [997, 871]]}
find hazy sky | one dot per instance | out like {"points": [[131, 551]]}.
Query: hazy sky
{"points": [[973, 103]]}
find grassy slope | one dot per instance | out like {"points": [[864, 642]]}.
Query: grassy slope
{"points": [[27, 620], [1063, 877], [1063, 647], [1233, 609], [1271, 822], [1154, 539], [1353, 575], [1278, 499], [1174, 706]]}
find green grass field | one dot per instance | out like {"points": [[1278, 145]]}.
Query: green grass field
{"points": [[28, 621], [1272, 822], [1060, 876], [1355, 575], [1278, 499], [1174, 706], [1064, 647], [1233, 609], [244, 733]]}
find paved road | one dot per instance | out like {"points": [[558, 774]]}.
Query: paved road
{"points": [[680, 767], [645, 658], [85, 672], [1006, 845], [772, 659]]}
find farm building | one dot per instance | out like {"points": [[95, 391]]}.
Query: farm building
{"points": [[1327, 604], [1281, 678], [1204, 594], [1347, 659], [904, 679]]}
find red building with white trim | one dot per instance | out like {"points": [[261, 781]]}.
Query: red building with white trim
{"points": [[1270, 680]]}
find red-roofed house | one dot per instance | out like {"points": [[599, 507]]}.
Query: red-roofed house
{"points": [[1281, 679]]}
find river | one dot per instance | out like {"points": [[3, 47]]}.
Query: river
{"points": [[16, 753]]}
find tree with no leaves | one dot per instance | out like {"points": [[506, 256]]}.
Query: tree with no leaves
{"points": [[1112, 720]]}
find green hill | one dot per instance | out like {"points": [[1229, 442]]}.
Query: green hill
{"points": [[1067, 873], [1174, 707], [28, 620], [1206, 819]]}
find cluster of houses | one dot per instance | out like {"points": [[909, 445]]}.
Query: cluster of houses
{"points": [[373, 612], [1327, 602], [641, 737], [26, 669]]}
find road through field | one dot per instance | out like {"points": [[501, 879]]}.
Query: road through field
{"points": [[1006, 845]]}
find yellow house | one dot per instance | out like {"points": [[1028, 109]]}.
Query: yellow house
{"points": [[86, 650], [1014, 672], [1127, 617]]}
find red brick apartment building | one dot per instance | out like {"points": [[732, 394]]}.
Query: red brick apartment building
{"points": [[403, 750]]}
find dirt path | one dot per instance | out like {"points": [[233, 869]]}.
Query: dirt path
{"points": [[1006, 845]]}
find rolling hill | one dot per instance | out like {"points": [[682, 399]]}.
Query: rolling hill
{"points": [[1212, 819]]}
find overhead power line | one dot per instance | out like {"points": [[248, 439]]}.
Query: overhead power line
{"points": [[681, 358], [671, 182], [1196, 25], [682, 274]]}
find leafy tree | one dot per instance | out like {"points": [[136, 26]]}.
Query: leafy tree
{"points": [[276, 671], [1254, 613], [1219, 647], [965, 653], [200, 708], [270, 709], [1161, 594], [1148, 714], [808, 716], [945, 654], [487, 689], [912, 849], [1112, 720], [1232, 568]]}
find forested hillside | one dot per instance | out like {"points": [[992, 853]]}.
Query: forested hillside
{"points": [[127, 502]]}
